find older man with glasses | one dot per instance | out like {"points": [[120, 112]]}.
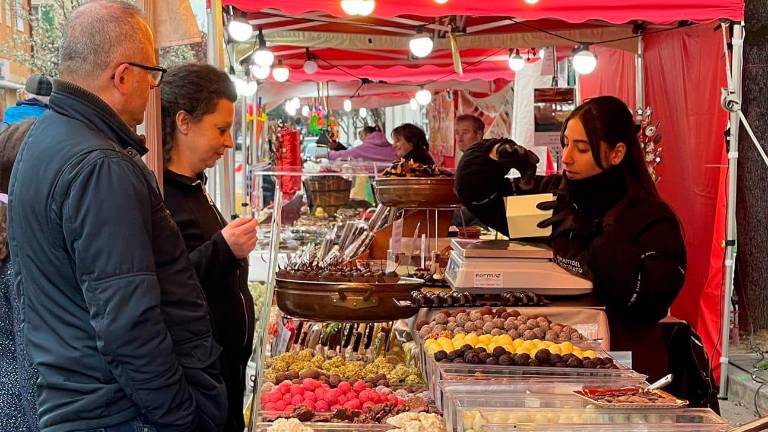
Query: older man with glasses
{"points": [[114, 317]]}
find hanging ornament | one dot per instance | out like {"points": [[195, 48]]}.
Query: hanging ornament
{"points": [[650, 142]]}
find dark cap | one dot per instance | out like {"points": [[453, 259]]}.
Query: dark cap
{"points": [[38, 85]]}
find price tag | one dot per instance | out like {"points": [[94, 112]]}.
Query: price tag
{"points": [[488, 280], [280, 343]]}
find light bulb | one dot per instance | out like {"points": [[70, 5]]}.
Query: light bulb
{"points": [[347, 105], [358, 7], [414, 104], [263, 57], [310, 67], [421, 45], [363, 113], [365, 7], [531, 1], [441, 1], [516, 61], [280, 73], [239, 30], [305, 111], [584, 62], [542, 53], [290, 109], [260, 72], [423, 97], [296, 103]]}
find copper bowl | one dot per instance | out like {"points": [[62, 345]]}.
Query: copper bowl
{"points": [[416, 192], [348, 301]]}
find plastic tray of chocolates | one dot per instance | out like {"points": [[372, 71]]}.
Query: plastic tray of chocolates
{"points": [[339, 274], [467, 299]]}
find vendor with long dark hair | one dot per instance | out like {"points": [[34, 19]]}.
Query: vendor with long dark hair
{"points": [[609, 223], [411, 143]]}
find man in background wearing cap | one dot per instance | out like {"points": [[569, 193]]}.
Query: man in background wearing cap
{"points": [[33, 102]]}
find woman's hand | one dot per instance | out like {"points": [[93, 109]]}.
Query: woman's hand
{"points": [[240, 235]]}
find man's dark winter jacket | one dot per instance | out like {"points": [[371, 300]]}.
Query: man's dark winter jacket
{"points": [[630, 247], [224, 279], [114, 317]]}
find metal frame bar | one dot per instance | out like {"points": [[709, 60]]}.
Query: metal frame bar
{"points": [[415, 23], [734, 85], [330, 20], [640, 76]]}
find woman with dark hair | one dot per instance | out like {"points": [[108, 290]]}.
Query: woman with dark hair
{"points": [[411, 143], [197, 112], [608, 225], [18, 376]]}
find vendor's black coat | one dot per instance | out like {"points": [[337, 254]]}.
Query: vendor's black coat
{"points": [[635, 257], [224, 279]]}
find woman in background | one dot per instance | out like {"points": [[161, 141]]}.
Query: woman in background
{"points": [[197, 111], [411, 144], [375, 148]]}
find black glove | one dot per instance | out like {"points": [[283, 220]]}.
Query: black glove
{"points": [[515, 156], [566, 218]]}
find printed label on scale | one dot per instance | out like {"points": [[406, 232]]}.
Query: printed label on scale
{"points": [[488, 280]]}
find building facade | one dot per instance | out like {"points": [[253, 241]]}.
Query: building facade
{"points": [[13, 21]]}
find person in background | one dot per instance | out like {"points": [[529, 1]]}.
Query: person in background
{"points": [[197, 112], [33, 102], [411, 143], [114, 317], [375, 147], [468, 129], [18, 409]]}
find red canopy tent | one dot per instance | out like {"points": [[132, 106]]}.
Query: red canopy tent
{"points": [[682, 73]]}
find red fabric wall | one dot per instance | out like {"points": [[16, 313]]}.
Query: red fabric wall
{"points": [[614, 76], [684, 71]]}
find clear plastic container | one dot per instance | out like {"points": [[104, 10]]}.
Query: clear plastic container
{"points": [[435, 373], [592, 419], [467, 397], [487, 390]]}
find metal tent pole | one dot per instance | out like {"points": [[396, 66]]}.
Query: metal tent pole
{"points": [[734, 91], [639, 76]]}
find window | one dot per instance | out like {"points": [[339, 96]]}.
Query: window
{"points": [[8, 18], [34, 11], [19, 15]]}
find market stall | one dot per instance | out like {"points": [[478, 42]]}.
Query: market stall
{"points": [[338, 47]]}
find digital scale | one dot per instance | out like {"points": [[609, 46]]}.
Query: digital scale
{"points": [[495, 266]]}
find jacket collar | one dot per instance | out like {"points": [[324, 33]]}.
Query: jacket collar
{"points": [[183, 180], [73, 101]]}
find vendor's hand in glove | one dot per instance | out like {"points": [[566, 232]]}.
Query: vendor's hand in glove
{"points": [[566, 218], [240, 235], [514, 156]]}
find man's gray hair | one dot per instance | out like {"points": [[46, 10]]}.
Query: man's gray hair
{"points": [[99, 34]]}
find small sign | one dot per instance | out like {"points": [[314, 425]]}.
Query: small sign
{"points": [[551, 106], [5, 69], [280, 343], [489, 280]]}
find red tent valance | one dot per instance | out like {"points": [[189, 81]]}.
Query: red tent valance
{"points": [[614, 11]]}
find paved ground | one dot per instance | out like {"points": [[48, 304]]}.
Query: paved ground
{"points": [[736, 412]]}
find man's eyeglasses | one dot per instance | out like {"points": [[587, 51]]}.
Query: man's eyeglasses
{"points": [[156, 72]]}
